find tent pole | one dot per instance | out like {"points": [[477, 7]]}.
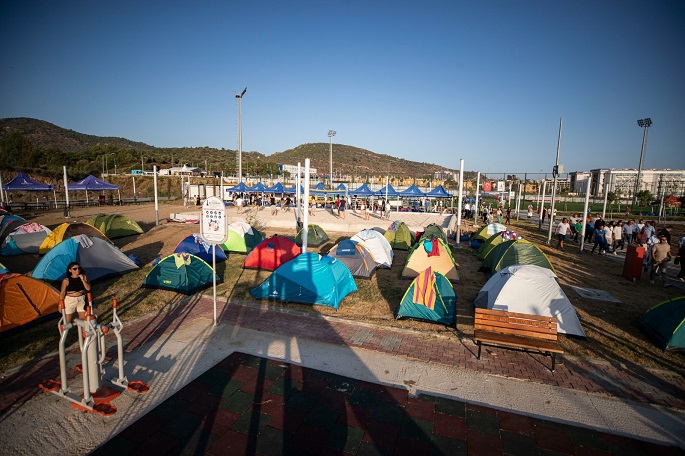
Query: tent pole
{"points": [[66, 193], [54, 195], [2, 192]]}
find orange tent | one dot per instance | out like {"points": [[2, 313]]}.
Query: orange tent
{"points": [[23, 299]]}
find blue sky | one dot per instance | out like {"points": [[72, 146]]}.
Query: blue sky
{"points": [[436, 81]]}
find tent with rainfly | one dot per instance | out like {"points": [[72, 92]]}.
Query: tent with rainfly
{"points": [[195, 245], [242, 238], [25, 239], [24, 299], [433, 231], [430, 297], [376, 243], [271, 253], [356, 257], [399, 235], [315, 236], [431, 253], [67, 230], [309, 278], [115, 225], [97, 257], [181, 272], [493, 241], [513, 252], [665, 324], [531, 290], [482, 235]]}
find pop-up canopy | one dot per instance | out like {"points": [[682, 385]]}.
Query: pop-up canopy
{"points": [[92, 183], [22, 182]]}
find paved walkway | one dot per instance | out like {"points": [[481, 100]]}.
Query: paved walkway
{"points": [[505, 388]]}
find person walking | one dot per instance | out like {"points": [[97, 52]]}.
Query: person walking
{"points": [[73, 292], [563, 228], [661, 255], [508, 219]]}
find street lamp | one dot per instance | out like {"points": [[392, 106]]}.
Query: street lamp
{"points": [[240, 134], [331, 133], [643, 123], [104, 164]]}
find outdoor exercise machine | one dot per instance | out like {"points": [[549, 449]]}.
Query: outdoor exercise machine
{"points": [[91, 338]]}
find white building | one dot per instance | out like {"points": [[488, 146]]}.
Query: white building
{"points": [[292, 169], [622, 181]]}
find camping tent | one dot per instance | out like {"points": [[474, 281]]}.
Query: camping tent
{"points": [[376, 243], [309, 278], [513, 252], [493, 241], [485, 232], [97, 257], [3, 269], [356, 257], [26, 238], [115, 225], [433, 253], [398, 235], [433, 231], [181, 272], [242, 238], [23, 299], [530, 290], [665, 324], [67, 230], [195, 245], [315, 236], [430, 297], [271, 253]]}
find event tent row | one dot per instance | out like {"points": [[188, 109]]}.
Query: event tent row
{"points": [[22, 182], [363, 190]]}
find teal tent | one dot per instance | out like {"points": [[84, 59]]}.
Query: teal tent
{"points": [[665, 324], [308, 278], [430, 297], [181, 272]]}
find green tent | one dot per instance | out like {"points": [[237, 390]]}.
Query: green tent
{"points": [[487, 247], [433, 231], [488, 230], [430, 297], [315, 236], [242, 238], [399, 236], [517, 251], [115, 225], [665, 324], [181, 272]]}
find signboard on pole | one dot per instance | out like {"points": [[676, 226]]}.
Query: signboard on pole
{"points": [[213, 223]]}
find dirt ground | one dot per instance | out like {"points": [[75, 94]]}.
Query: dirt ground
{"points": [[610, 327]]}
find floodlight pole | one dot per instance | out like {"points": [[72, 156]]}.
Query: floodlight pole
{"points": [[644, 123], [475, 204], [555, 173], [331, 133], [461, 197], [154, 171], [239, 97]]}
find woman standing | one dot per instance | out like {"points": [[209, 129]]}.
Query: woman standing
{"points": [[74, 288]]}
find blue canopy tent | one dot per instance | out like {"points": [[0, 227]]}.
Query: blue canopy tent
{"points": [[341, 188], [390, 191], [276, 188], [258, 188], [412, 192], [439, 192], [364, 190], [318, 186], [292, 190], [22, 182], [92, 183], [240, 188]]}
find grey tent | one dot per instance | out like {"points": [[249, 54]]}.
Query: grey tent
{"points": [[356, 257]]}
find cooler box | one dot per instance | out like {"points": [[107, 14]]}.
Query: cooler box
{"points": [[632, 268]]}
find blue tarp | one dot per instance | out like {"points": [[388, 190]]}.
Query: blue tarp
{"points": [[438, 192], [92, 183], [23, 182]]}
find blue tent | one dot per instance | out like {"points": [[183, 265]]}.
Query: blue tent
{"points": [[22, 182], [412, 191], [341, 188], [438, 192], [318, 186], [98, 258], [92, 183], [241, 187], [276, 188], [364, 190], [195, 245], [308, 278], [292, 190], [259, 187], [390, 189]]}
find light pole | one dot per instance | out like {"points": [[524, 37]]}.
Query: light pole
{"points": [[105, 168], [240, 134], [643, 123], [331, 133]]}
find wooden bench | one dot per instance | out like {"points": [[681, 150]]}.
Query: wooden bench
{"points": [[516, 330]]}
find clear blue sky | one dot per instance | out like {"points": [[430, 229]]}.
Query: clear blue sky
{"points": [[436, 81]]}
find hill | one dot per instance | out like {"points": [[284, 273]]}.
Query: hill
{"points": [[40, 147]]}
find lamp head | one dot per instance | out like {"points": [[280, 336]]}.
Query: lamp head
{"points": [[644, 123], [331, 133]]}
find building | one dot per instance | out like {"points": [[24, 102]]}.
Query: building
{"points": [[622, 182], [292, 169]]}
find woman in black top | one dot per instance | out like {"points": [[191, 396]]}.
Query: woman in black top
{"points": [[74, 288]]}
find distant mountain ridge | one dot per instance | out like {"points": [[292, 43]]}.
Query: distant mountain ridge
{"points": [[49, 139]]}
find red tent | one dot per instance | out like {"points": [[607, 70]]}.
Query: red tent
{"points": [[271, 253]]}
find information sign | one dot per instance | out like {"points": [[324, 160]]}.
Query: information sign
{"points": [[213, 223]]}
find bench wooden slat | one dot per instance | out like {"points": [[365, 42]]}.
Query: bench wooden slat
{"points": [[517, 341]]}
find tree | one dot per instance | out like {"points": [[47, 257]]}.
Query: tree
{"points": [[644, 197], [611, 197]]}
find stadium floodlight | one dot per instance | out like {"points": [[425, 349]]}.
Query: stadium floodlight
{"points": [[331, 133], [642, 123]]}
